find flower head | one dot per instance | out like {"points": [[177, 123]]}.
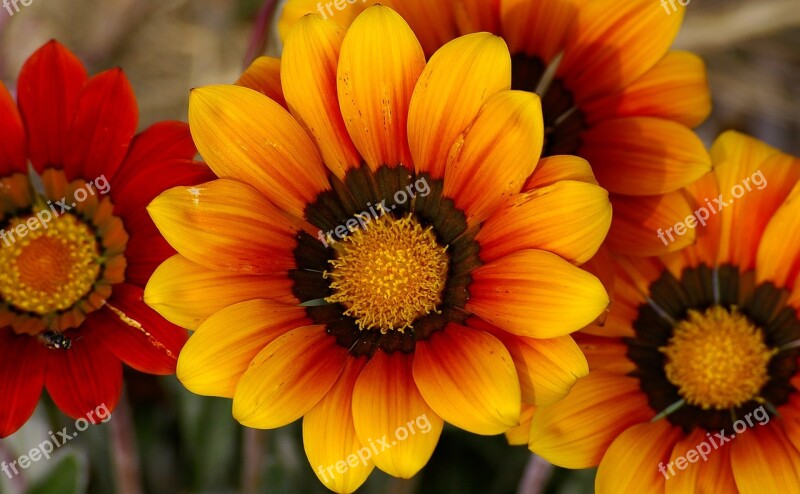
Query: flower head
{"points": [[612, 92], [694, 382], [76, 245], [386, 254]]}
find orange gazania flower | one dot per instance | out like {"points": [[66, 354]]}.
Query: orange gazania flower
{"points": [[612, 92], [385, 256], [694, 384], [76, 244]]}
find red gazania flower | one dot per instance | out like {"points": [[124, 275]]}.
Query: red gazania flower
{"points": [[76, 245], [612, 92]]}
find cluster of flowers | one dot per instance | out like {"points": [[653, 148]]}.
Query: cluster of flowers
{"points": [[508, 299]]}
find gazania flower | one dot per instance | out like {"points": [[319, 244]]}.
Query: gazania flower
{"points": [[611, 91], [694, 383], [76, 244], [384, 256]]}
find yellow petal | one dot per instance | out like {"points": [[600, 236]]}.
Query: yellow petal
{"points": [[458, 79], [244, 135], [468, 377], [518, 435], [288, 378], [264, 75], [220, 351], [554, 169], [339, 459], [576, 431], [391, 415], [225, 225], [186, 294], [376, 80], [547, 368], [568, 218], [537, 294], [308, 75], [492, 159], [631, 463]]}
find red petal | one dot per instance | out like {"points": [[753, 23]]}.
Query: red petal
{"points": [[48, 89], [22, 364], [12, 143], [146, 250], [83, 378], [104, 125], [136, 334]]}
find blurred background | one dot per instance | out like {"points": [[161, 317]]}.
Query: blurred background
{"points": [[189, 444]]}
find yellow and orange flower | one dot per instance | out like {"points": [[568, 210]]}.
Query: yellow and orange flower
{"points": [[76, 244], [612, 92], [387, 250], [700, 348]]}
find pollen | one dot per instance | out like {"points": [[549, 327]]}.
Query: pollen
{"points": [[52, 267], [717, 359], [389, 274]]}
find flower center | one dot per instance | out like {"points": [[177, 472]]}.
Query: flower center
{"points": [[52, 267], [389, 274], [717, 359]]}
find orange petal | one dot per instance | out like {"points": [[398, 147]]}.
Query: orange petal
{"points": [[244, 135], [605, 353], [608, 47], [264, 75], [646, 226], [536, 293], [288, 378], [764, 460], [644, 156], [538, 28], [676, 88], [339, 459], [458, 79], [13, 157], [220, 351], [468, 377], [433, 22], [741, 160], [475, 16], [390, 413], [569, 218], [294, 10], [186, 293], [576, 431], [225, 225], [695, 474], [308, 74], [631, 462], [492, 159], [778, 258], [554, 169]]}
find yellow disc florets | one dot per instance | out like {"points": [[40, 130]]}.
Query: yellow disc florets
{"points": [[51, 267], [717, 359], [389, 274]]}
